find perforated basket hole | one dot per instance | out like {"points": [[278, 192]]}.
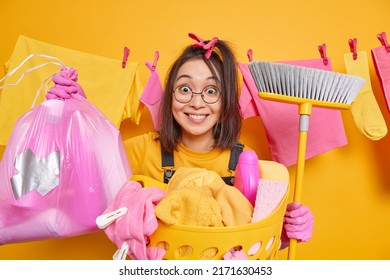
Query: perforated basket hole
{"points": [[163, 245], [254, 248], [183, 251], [237, 248], [208, 253], [270, 243]]}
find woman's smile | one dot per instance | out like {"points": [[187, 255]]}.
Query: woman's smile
{"points": [[197, 117]]}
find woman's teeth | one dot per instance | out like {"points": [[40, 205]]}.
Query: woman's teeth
{"points": [[197, 117]]}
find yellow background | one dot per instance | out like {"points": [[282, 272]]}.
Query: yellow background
{"points": [[347, 189]]}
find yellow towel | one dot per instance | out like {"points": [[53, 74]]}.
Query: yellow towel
{"points": [[189, 206], [197, 192], [115, 91], [365, 110]]}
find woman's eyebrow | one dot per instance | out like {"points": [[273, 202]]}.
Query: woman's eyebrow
{"points": [[183, 76]]}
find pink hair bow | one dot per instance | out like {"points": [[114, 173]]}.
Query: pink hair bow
{"points": [[201, 44]]}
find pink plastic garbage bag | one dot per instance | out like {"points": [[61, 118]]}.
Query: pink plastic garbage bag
{"points": [[63, 165]]}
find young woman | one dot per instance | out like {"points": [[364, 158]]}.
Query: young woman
{"points": [[201, 124], [200, 116]]}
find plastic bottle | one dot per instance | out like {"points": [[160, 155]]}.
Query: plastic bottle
{"points": [[247, 175]]}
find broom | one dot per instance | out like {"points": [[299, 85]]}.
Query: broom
{"points": [[305, 87]]}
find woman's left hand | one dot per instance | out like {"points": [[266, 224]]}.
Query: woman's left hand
{"points": [[298, 223]]}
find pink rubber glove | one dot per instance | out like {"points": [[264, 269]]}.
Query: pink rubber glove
{"points": [[234, 254], [297, 224], [65, 85], [138, 223]]}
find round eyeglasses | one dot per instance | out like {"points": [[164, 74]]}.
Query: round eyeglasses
{"points": [[209, 94]]}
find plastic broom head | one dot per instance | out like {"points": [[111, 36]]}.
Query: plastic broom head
{"points": [[299, 84]]}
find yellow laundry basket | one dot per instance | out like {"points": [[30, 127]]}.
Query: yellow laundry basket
{"points": [[259, 240]]}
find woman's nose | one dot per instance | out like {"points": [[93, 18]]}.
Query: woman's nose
{"points": [[197, 100]]}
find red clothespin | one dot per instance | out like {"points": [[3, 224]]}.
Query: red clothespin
{"points": [[126, 53], [352, 46], [382, 38], [322, 50], [249, 53]]}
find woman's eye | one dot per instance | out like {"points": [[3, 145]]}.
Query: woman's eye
{"points": [[210, 90], [185, 89]]}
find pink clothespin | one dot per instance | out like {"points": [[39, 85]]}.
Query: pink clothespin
{"points": [[126, 53], [249, 53], [383, 39], [352, 46], [322, 50], [200, 43], [156, 57]]}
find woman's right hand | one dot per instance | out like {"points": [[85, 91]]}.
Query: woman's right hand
{"points": [[65, 85]]}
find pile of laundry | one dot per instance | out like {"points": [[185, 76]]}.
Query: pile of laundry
{"points": [[194, 197]]}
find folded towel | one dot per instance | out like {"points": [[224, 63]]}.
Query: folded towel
{"points": [[196, 192], [189, 206]]}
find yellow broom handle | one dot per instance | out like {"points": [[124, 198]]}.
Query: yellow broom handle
{"points": [[304, 114]]}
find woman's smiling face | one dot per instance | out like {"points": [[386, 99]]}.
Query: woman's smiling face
{"points": [[196, 118]]}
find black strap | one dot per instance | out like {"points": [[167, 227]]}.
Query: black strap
{"points": [[168, 164], [234, 154], [167, 159]]}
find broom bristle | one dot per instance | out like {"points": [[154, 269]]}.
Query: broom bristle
{"points": [[305, 82]]}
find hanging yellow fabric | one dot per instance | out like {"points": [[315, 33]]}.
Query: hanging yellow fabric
{"points": [[115, 91], [365, 110]]}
